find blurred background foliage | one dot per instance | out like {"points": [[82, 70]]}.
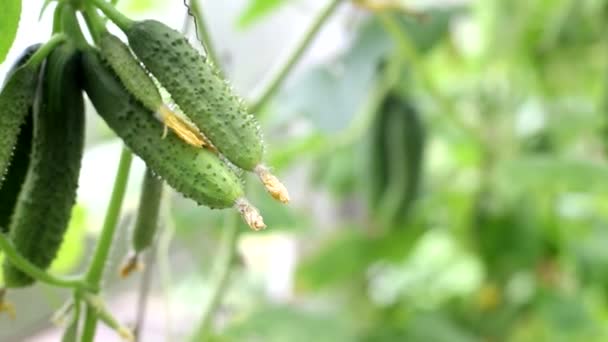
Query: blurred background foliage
{"points": [[447, 165]]}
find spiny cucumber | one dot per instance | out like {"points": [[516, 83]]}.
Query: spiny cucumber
{"points": [[16, 99], [196, 173], [137, 81], [15, 175], [9, 192], [45, 203], [206, 98], [146, 223]]}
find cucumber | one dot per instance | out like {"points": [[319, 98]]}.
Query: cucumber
{"points": [[133, 77], [15, 175], [199, 91], [196, 173], [396, 160], [137, 81], [202, 94], [146, 223], [44, 206], [16, 99]]}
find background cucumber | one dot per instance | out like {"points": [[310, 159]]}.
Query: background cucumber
{"points": [[146, 224], [45, 203]]}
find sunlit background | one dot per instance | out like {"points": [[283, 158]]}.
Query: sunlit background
{"points": [[498, 232]]}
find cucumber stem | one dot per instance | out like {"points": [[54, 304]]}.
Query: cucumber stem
{"points": [[111, 12], [100, 256], [222, 267], [45, 50], [96, 304], [203, 32], [277, 77], [94, 22], [71, 27], [14, 257]]}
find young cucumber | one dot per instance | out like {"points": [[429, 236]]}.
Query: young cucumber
{"points": [[199, 91], [15, 174], [16, 100], [196, 173], [45, 203], [206, 98], [146, 223], [137, 81]]}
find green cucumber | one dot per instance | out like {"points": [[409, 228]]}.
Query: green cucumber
{"points": [[15, 175], [196, 87], [16, 99], [130, 72], [196, 173], [44, 206], [146, 224]]}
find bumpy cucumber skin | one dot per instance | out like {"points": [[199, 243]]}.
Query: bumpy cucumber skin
{"points": [[132, 75], [45, 203], [200, 92], [146, 224], [15, 177], [196, 173], [16, 100]]}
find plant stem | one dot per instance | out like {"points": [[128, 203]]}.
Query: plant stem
{"points": [[94, 22], [277, 77], [203, 32], [46, 49], [222, 271], [111, 12], [32, 270], [100, 256]]}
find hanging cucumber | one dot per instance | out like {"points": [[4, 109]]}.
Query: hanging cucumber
{"points": [[146, 224], [45, 203], [15, 174], [199, 90], [196, 173], [137, 81]]}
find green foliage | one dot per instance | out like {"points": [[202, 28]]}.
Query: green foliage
{"points": [[257, 9], [9, 22]]}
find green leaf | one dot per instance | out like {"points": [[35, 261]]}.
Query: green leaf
{"points": [[9, 22], [257, 9]]}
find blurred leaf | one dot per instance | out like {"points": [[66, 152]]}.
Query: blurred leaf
{"points": [[430, 27], [279, 324], [257, 9], [348, 254], [139, 6], [330, 94], [9, 23], [554, 173]]}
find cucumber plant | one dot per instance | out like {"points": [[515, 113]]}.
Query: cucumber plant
{"points": [[199, 153]]}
